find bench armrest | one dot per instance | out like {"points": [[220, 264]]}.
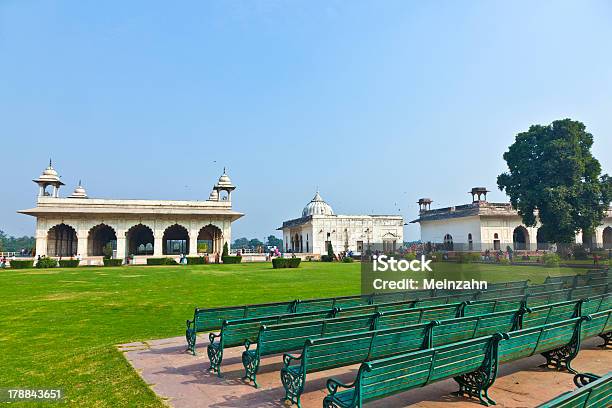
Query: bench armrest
{"points": [[583, 379], [333, 385], [212, 337], [247, 344], [190, 323], [288, 358]]}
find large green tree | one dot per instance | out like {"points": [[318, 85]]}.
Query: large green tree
{"points": [[552, 176]]}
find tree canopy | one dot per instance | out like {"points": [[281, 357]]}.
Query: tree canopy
{"points": [[553, 177]]}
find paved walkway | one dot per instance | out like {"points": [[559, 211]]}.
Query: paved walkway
{"points": [[184, 381]]}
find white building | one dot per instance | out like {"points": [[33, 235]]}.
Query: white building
{"points": [[79, 225], [318, 226], [482, 225]]}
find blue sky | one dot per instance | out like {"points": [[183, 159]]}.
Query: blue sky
{"points": [[377, 103]]}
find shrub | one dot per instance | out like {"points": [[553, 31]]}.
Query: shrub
{"points": [[468, 257], [161, 261], [504, 261], [107, 250], [68, 263], [437, 256], [196, 260], [580, 253], [113, 262], [330, 250], [22, 264], [225, 250], [231, 259], [327, 258], [410, 256], [46, 263], [278, 263], [347, 259], [551, 259]]}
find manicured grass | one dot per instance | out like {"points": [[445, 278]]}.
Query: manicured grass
{"points": [[58, 327]]}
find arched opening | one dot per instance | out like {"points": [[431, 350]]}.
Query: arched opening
{"points": [[496, 242], [62, 241], [607, 238], [520, 238], [175, 240], [209, 240], [101, 241], [140, 240], [448, 242]]}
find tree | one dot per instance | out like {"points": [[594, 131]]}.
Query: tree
{"points": [[225, 250], [552, 176], [255, 243], [241, 243], [330, 251], [273, 241]]}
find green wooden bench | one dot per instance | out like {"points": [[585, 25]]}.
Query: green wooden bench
{"points": [[384, 377], [568, 281], [599, 325], [278, 338], [473, 364], [593, 391], [237, 332], [325, 353], [209, 319]]}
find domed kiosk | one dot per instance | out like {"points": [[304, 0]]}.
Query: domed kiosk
{"points": [[319, 225], [91, 228]]}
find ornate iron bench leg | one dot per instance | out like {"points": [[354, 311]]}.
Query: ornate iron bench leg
{"points": [[251, 366], [191, 340], [294, 386], [215, 354]]}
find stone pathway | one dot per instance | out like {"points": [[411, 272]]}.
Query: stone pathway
{"points": [[183, 381]]}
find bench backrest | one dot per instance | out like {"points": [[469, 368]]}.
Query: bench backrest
{"points": [[380, 378], [566, 280], [238, 332], [213, 318], [581, 292], [551, 313], [596, 394], [597, 304], [535, 340], [291, 336], [329, 352], [601, 322]]}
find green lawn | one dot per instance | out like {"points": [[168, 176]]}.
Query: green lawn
{"points": [[58, 327]]}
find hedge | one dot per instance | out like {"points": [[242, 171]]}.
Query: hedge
{"points": [[468, 257], [112, 262], [278, 263], [21, 264], [327, 258], [196, 260], [161, 261], [347, 259], [69, 263], [46, 263], [231, 259]]}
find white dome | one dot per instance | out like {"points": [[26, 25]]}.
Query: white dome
{"points": [[214, 196], [79, 192], [49, 175], [317, 206]]}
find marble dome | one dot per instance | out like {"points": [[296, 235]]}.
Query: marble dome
{"points": [[317, 206]]}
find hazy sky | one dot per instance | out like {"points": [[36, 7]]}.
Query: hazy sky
{"points": [[377, 103]]}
